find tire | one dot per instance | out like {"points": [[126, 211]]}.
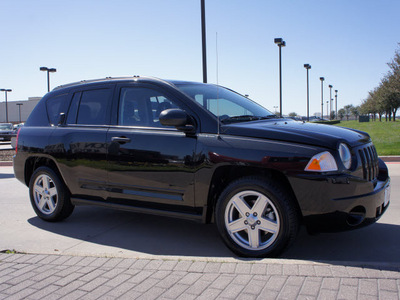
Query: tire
{"points": [[49, 196], [256, 218]]}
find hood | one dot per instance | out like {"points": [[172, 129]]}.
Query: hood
{"points": [[298, 132]]}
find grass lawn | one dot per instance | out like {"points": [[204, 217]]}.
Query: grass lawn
{"points": [[385, 135]]}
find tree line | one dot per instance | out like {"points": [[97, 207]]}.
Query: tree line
{"points": [[383, 100]]}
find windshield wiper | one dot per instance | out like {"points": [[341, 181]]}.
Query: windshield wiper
{"points": [[269, 117], [243, 118]]}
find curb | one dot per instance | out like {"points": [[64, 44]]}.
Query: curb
{"points": [[390, 158]]}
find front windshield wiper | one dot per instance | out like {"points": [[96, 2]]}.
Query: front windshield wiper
{"points": [[269, 117], [246, 118], [243, 118]]}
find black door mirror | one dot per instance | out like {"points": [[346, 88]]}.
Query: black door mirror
{"points": [[177, 118]]}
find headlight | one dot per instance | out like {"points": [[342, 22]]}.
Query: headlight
{"points": [[322, 162], [345, 155]]}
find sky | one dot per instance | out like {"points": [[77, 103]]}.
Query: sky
{"points": [[347, 42]]}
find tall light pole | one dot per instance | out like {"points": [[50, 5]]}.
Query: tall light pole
{"points": [[203, 38], [330, 100], [337, 116], [308, 67], [5, 92], [327, 107], [322, 97], [19, 108], [281, 43], [48, 70]]}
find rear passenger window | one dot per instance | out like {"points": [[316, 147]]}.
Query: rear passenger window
{"points": [[89, 107], [55, 106]]}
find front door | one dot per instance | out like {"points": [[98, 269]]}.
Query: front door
{"points": [[149, 164]]}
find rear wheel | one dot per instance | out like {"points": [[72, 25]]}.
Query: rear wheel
{"points": [[256, 218], [49, 196]]}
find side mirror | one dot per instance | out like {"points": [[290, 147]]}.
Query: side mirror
{"points": [[177, 118]]}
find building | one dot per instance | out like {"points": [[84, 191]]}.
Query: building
{"points": [[14, 110]]}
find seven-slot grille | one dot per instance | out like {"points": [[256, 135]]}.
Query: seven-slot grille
{"points": [[369, 160]]}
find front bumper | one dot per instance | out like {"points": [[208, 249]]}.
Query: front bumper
{"points": [[334, 203]]}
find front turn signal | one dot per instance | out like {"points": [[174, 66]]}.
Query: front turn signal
{"points": [[322, 162]]}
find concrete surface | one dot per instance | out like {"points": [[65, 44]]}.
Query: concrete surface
{"points": [[101, 253], [5, 145], [101, 231]]}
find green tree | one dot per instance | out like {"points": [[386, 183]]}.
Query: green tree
{"points": [[341, 113], [347, 110], [393, 84], [355, 111]]}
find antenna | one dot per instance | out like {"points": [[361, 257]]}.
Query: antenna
{"points": [[216, 53]]}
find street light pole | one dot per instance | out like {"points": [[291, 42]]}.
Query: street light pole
{"points": [[19, 108], [322, 97], [48, 70], [281, 43], [308, 67], [5, 92], [336, 104], [330, 100], [327, 107], [203, 38]]}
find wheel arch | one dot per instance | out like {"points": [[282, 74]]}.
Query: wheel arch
{"points": [[224, 175], [35, 162]]}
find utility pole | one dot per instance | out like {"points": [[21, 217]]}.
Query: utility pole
{"points": [[203, 38]]}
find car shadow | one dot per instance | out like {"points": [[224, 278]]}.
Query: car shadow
{"points": [[157, 235]]}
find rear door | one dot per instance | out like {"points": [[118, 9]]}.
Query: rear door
{"points": [[149, 164], [83, 159]]}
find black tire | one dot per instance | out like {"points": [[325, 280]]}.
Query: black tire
{"points": [[50, 198], [263, 230]]}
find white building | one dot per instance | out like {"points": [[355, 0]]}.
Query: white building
{"points": [[14, 109]]}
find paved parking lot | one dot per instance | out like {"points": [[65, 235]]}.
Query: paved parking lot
{"points": [[5, 145], [101, 253]]}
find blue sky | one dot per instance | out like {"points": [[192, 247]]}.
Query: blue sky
{"points": [[347, 42]]}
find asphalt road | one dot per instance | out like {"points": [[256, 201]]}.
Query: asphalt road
{"points": [[102, 232]]}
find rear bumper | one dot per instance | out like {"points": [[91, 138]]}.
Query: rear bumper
{"points": [[6, 137]]}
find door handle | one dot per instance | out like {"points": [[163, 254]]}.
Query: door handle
{"points": [[120, 139]]}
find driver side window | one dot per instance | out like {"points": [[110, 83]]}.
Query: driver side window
{"points": [[140, 106]]}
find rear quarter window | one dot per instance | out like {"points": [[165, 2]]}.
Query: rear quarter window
{"points": [[55, 106]]}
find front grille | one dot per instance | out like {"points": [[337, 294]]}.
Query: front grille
{"points": [[369, 160]]}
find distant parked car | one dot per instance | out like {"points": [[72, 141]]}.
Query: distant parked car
{"points": [[17, 126], [6, 131]]}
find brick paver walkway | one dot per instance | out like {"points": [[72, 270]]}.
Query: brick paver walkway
{"points": [[26, 276]]}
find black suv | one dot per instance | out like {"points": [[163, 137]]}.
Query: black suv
{"points": [[201, 152]]}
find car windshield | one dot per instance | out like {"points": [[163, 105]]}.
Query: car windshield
{"points": [[228, 105], [6, 127]]}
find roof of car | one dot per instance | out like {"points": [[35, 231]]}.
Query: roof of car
{"points": [[126, 78]]}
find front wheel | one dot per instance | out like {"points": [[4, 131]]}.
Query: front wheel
{"points": [[256, 218], [49, 196]]}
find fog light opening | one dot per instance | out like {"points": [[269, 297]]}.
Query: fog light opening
{"points": [[356, 216]]}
